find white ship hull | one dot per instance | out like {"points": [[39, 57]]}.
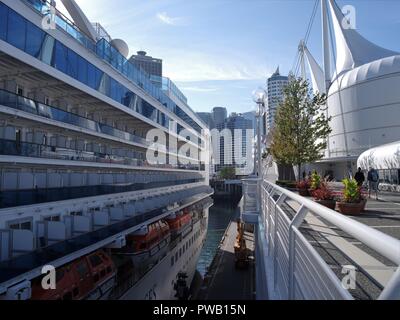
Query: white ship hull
{"points": [[158, 283]]}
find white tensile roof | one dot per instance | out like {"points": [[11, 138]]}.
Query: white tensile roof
{"points": [[352, 49], [383, 157]]}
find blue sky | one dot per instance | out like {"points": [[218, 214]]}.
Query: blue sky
{"points": [[219, 51]]}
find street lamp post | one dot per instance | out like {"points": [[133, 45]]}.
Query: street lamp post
{"points": [[259, 97]]}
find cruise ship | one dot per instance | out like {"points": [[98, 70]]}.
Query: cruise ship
{"points": [[84, 212]]}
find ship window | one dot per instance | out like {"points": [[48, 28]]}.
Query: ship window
{"points": [[60, 57], [91, 76], [52, 218], [16, 30], [95, 260], [82, 70], [21, 225], [34, 40], [176, 256], [172, 261], [72, 64], [180, 252], [3, 21]]}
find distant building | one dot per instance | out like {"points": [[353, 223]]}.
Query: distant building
{"points": [[275, 87], [219, 115], [207, 118], [251, 115], [235, 121], [152, 66]]}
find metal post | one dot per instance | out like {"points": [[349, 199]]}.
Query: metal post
{"points": [[259, 141], [326, 48], [296, 222]]}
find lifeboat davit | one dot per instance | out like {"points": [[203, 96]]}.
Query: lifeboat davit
{"points": [[179, 222], [90, 277], [148, 244]]}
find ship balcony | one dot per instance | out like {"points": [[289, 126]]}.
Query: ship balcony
{"points": [[14, 101], [33, 150], [29, 188]]}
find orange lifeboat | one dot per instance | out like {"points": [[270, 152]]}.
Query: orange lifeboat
{"points": [[179, 222], [148, 243], [90, 277]]}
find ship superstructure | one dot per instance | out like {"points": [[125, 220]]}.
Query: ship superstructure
{"points": [[77, 188]]}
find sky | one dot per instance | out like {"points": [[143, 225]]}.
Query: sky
{"points": [[219, 51]]}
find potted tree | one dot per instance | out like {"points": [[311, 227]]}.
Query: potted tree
{"points": [[303, 186], [352, 202], [324, 196], [315, 182]]}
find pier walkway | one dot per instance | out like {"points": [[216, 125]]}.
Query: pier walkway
{"points": [[223, 281]]}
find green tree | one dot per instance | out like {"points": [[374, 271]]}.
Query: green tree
{"points": [[301, 126], [228, 173]]}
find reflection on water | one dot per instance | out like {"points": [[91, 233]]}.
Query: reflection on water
{"points": [[220, 214]]}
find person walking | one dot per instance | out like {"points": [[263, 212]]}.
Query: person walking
{"points": [[373, 180], [359, 177]]}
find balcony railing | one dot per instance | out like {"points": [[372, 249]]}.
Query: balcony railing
{"points": [[15, 101], [290, 266], [27, 149], [104, 50]]}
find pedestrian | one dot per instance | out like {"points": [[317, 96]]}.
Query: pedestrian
{"points": [[373, 181], [359, 177]]}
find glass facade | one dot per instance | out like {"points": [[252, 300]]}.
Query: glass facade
{"points": [[103, 49]]}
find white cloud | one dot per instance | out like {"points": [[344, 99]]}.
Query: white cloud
{"points": [[203, 67], [165, 18], [199, 89]]}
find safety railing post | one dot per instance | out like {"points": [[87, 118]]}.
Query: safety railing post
{"points": [[392, 289], [296, 222], [280, 200]]}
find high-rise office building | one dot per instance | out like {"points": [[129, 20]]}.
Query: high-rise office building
{"points": [[152, 66], [275, 87], [228, 156], [219, 115]]}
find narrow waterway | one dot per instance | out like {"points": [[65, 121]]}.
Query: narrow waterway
{"points": [[220, 214]]}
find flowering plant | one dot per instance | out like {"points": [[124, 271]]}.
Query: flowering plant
{"points": [[303, 184], [323, 193]]}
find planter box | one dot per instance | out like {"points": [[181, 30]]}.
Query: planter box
{"points": [[331, 204], [350, 208], [304, 192]]}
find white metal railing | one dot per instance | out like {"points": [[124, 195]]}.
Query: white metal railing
{"points": [[293, 266]]}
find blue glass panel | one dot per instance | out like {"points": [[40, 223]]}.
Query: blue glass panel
{"points": [[91, 74], [34, 40], [72, 64], [3, 21], [82, 70], [60, 57], [114, 89], [16, 30]]}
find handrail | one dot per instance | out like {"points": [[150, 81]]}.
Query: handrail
{"points": [[293, 266], [385, 245]]}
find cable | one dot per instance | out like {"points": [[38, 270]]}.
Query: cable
{"points": [[297, 61]]}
